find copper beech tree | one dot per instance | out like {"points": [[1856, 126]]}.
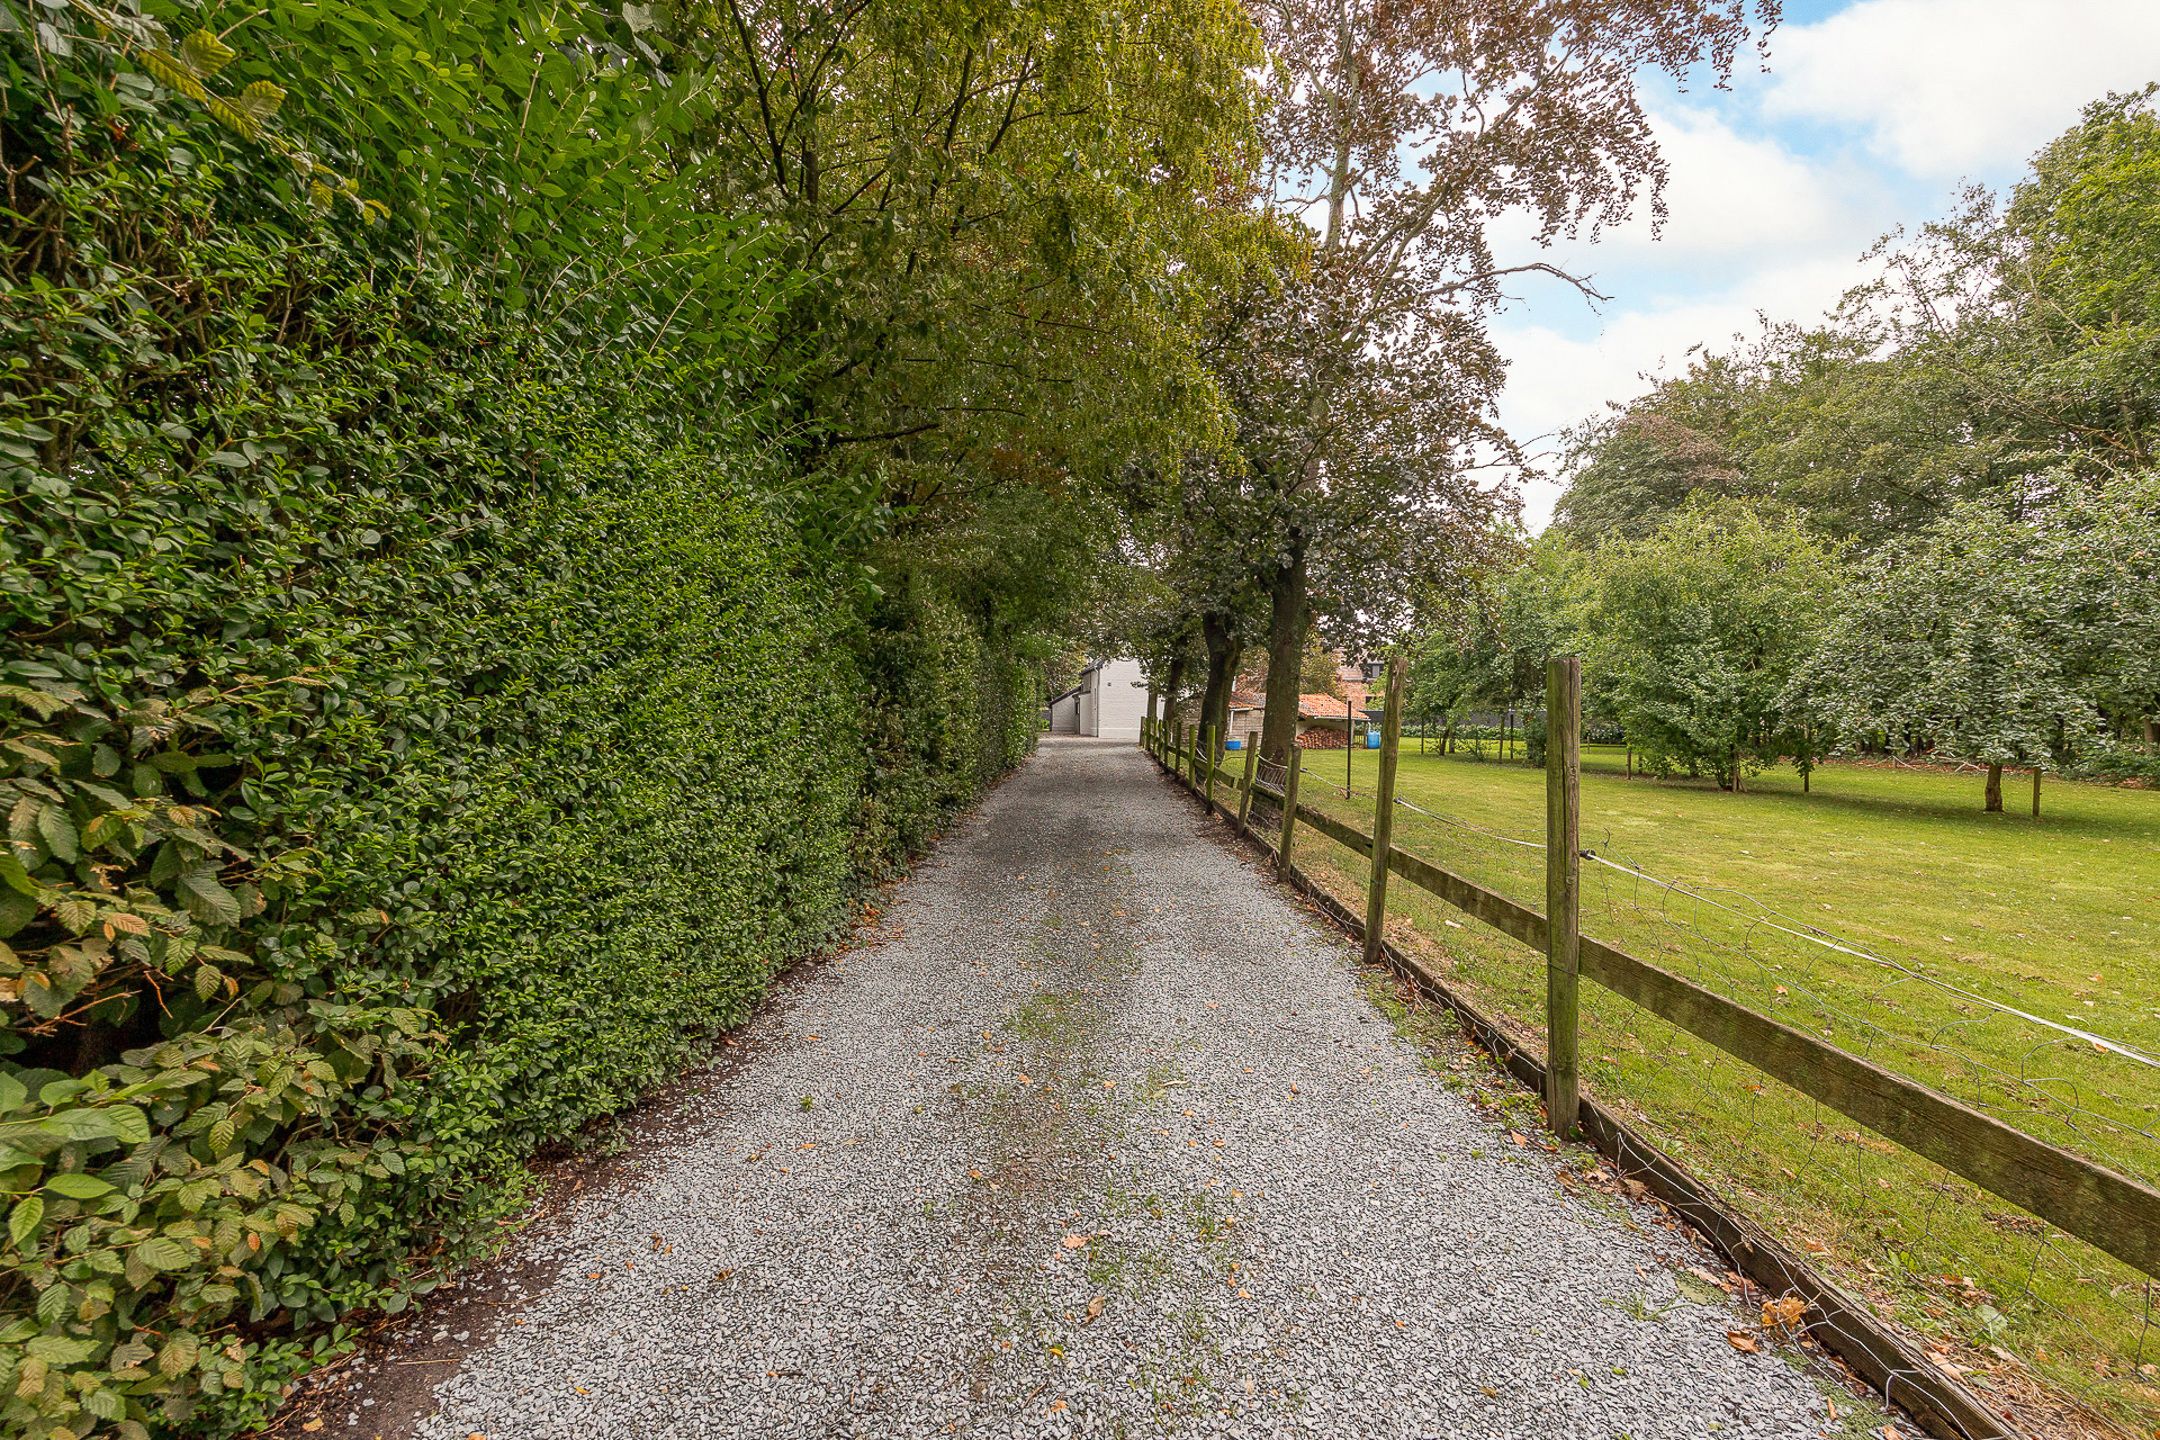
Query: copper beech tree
{"points": [[1400, 131]]}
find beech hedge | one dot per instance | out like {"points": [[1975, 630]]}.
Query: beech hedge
{"points": [[416, 734]]}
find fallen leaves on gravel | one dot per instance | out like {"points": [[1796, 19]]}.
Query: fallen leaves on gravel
{"points": [[1094, 1309], [1076, 1242], [1742, 1341]]}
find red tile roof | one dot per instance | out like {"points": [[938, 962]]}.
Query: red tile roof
{"points": [[1322, 707], [1310, 707]]}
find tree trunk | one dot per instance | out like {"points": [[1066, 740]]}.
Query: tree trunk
{"points": [[2152, 730], [1219, 709], [1994, 790], [1221, 658], [1286, 652], [1172, 684]]}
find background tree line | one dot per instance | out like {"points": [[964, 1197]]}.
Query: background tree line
{"points": [[1928, 527]]}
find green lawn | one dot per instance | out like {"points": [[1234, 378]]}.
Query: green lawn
{"points": [[2058, 916]]}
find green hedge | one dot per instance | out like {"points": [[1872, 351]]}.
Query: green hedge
{"points": [[416, 737]]}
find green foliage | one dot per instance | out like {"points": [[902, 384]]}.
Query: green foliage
{"points": [[1491, 650], [418, 725], [1695, 633], [1998, 641]]}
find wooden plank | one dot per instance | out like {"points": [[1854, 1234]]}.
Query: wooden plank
{"points": [[1383, 813], [2109, 1210], [2102, 1207], [1518, 922], [1337, 830], [1563, 884]]}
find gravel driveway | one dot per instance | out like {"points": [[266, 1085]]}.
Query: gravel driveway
{"points": [[1101, 1137]]}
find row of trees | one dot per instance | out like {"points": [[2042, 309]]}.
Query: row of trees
{"points": [[1360, 470], [1735, 636], [1929, 527]]}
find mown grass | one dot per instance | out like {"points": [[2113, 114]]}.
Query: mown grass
{"points": [[2058, 916]]}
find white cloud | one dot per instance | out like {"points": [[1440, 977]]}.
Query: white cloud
{"points": [[1731, 200], [1956, 88], [1731, 195]]}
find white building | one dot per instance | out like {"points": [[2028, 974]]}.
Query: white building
{"points": [[1109, 701]]}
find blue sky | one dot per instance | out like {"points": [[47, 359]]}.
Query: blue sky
{"points": [[1872, 114]]}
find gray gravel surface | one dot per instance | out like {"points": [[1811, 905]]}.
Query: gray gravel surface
{"points": [[1101, 1136]]}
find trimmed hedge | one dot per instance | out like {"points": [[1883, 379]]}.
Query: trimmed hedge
{"points": [[416, 737]]}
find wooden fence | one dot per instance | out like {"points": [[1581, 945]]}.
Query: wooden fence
{"points": [[2112, 1211]]}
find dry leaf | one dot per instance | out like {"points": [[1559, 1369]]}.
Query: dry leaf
{"points": [[1517, 1137], [1095, 1307], [1783, 1314], [1057, 1406], [313, 1425], [1741, 1340], [1075, 1242]]}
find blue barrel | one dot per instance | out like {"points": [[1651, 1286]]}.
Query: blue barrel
{"points": [[1233, 743], [1372, 739]]}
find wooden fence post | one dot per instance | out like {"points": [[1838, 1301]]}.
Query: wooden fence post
{"points": [[1291, 769], [1563, 892], [2036, 791], [1177, 755], [1210, 742], [1383, 820], [1244, 804]]}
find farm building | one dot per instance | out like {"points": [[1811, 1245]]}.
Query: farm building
{"points": [[1323, 720], [1109, 701]]}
